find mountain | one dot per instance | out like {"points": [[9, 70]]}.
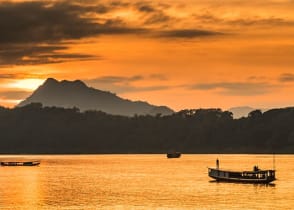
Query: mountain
{"points": [[70, 94], [243, 111]]}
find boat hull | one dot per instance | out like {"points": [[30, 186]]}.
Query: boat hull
{"points": [[254, 177], [173, 155], [253, 181], [14, 163]]}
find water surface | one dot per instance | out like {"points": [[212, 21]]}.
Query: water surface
{"points": [[142, 182]]}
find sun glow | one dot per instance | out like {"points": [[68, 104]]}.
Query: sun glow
{"points": [[26, 84]]}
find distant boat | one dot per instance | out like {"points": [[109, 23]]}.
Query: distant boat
{"points": [[173, 155], [255, 176], [20, 163]]}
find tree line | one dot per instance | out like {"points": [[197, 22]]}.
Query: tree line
{"points": [[34, 129]]}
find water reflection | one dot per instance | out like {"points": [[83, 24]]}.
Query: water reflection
{"points": [[244, 183], [20, 186]]}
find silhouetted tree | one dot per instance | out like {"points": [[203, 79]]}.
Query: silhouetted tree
{"points": [[37, 129]]}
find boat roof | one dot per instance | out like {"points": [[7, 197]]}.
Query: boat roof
{"points": [[18, 160], [245, 171]]}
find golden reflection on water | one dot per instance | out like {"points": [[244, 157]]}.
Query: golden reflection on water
{"points": [[142, 182], [19, 187]]}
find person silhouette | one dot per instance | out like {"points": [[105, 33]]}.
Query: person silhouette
{"points": [[217, 163]]}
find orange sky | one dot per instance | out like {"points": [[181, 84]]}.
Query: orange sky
{"points": [[183, 54]]}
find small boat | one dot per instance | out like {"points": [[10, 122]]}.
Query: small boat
{"points": [[255, 176], [173, 155], [20, 163]]}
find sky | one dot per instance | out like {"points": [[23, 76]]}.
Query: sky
{"points": [[183, 54]]}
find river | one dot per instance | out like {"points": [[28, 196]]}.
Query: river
{"points": [[142, 182]]}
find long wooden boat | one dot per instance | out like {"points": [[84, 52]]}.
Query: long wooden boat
{"points": [[254, 176], [20, 163], [173, 155]]}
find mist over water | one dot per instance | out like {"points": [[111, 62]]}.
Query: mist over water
{"points": [[142, 182]]}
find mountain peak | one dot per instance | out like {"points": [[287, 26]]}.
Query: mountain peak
{"points": [[54, 82], [75, 83], [50, 81]]}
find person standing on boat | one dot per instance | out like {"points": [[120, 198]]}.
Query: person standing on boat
{"points": [[217, 163]]}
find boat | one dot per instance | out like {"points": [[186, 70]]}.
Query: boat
{"points": [[173, 155], [255, 176], [20, 163]]}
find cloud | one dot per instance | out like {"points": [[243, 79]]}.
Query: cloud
{"points": [[27, 26], [287, 77], [156, 14], [236, 88], [8, 76], [270, 21], [145, 8], [122, 79], [150, 7], [257, 78], [208, 18], [40, 21], [39, 32], [18, 54], [119, 4], [116, 79], [127, 88], [187, 33], [18, 75], [158, 17], [14, 95], [153, 14], [161, 77], [120, 84]]}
